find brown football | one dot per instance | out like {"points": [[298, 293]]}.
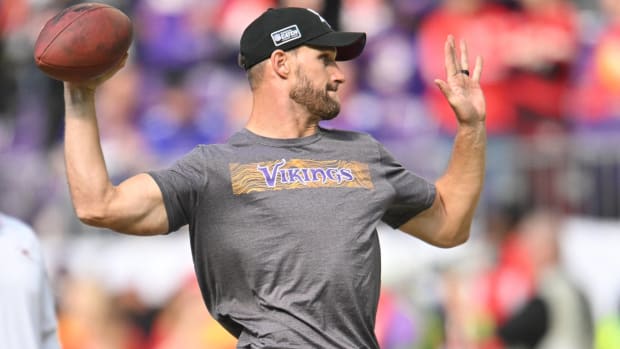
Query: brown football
{"points": [[83, 41]]}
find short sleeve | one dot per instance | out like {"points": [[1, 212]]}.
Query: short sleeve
{"points": [[413, 194], [181, 185]]}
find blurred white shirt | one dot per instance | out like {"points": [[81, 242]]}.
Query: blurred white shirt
{"points": [[27, 313]]}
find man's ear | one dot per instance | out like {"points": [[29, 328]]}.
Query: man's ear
{"points": [[280, 63]]}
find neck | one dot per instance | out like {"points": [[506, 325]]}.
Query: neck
{"points": [[275, 116]]}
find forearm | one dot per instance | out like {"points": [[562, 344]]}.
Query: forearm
{"points": [[447, 222], [134, 206], [461, 184], [86, 170]]}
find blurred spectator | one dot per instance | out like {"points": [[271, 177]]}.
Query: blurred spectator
{"points": [[595, 113], [174, 34], [32, 108], [480, 294], [484, 25], [27, 312], [510, 281], [13, 15], [527, 300], [28, 118], [541, 49], [594, 102], [557, 316]]}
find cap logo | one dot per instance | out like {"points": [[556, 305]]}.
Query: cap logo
{"points": [[320, 17], [284, 35]]}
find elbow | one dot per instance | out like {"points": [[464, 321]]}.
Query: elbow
{"points": [[454, 237], [92, 207], [460, 238], [456, 230], [93, 215]]}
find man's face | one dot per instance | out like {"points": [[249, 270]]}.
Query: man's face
{"points": [[317, 80]]}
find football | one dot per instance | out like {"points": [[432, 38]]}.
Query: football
{"points": [[83, 42]]}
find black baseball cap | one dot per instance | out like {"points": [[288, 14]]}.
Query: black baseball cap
{"points": [[290, 27]]}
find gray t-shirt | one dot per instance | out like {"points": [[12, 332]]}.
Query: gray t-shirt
{"points": [[283, 233]]}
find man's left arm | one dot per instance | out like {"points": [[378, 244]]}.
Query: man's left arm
{"points": [[447, 222]]}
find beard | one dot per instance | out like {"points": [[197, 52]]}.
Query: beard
{"points": [[317, 102]]}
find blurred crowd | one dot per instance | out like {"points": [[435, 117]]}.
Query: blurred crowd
{"points": [[547, 221]]}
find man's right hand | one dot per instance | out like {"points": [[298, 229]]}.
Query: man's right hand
{"points": [[92, 84]]}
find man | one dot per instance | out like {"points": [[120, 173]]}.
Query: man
{"points": [[27, 313], [282, 217]]}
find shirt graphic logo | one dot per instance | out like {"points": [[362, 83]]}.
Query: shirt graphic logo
{"points": [[298, 174], [284, 35]]}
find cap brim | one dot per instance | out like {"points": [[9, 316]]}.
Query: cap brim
{"points": [[348, 44]]}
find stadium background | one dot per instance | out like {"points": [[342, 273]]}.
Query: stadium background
{"points": [[552, 80]]}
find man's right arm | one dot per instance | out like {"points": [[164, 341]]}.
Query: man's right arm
{"points": [[133, 207]]}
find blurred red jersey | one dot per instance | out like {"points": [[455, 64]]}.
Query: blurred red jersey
{"points": [[484, 30]]}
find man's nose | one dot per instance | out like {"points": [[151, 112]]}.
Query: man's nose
{"points": [[338, 75]]}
